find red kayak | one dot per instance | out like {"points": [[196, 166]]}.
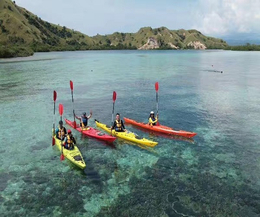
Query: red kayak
{"points": [[91, 132], [161, 129]]}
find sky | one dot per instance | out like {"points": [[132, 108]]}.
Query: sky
{"points": [[216, 18]]}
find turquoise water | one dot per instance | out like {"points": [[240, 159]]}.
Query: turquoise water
{"points": [[215, 174]]}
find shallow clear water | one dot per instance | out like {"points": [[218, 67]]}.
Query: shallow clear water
{"points": [[215, 174]]}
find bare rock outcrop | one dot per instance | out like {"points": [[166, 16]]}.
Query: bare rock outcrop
{"points": [[197, 45], [152, 43], [173, 46]]}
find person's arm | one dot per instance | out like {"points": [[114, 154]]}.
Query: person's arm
{"points": [[56, 132], [113, 126], [90, 115], [77, 117], [74, 140], [151, 121], [65, 141], [123, 126]]}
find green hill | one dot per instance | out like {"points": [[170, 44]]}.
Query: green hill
{"points": [[22, 33], [20, 29], [163, 38]]}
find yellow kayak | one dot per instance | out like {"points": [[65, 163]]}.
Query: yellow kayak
{"points": [[127, 135], [74, 155]]}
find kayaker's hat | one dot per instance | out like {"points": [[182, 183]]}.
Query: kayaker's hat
{"points": [[60, 122], [69, 131], [152, 113], [84, 113]]}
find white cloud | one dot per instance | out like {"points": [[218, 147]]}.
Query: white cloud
{"points": [[222, 17]]}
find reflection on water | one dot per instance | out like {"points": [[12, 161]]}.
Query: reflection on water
{"points": [[18, 60]]}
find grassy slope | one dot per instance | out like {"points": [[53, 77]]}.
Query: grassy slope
{"points": [[165, 36], [22, 32], [21, 27]]}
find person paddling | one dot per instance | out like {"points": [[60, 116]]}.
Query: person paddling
{"points": [[152, 120], [60, 131], [84, 119], [118, 124], [69, 141]]}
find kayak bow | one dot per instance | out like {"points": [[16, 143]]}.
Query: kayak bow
{"points": [[74, 155]]}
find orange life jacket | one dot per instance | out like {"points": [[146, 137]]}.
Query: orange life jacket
{"points": [[61, 132], [118, 125], [69, 140]]}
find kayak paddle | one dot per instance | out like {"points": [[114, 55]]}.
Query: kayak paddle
{"points": [[157, 99], [71, 87], [61, 112], [53, 129], [114, 99]]}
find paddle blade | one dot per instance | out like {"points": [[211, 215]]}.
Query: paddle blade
{"points": [[71, 85], [60, 109], [114, 96], [74, 125], [61, 157], [53, 141], [156, 86], [54, 95]]}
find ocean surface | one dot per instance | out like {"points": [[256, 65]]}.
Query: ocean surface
{"points": [[217, 173]]}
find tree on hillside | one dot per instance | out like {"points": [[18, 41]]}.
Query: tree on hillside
{"points": [[108, 41], [4, 30]]}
